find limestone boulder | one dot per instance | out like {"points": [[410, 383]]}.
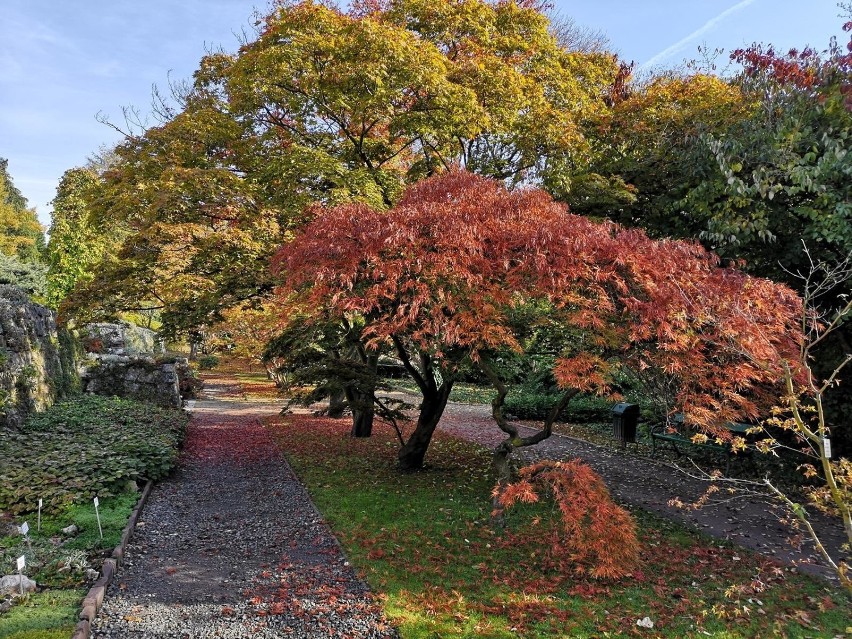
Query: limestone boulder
{"points": [[11, 584]]}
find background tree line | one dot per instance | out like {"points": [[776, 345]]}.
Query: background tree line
{"points": [[329, 107]]}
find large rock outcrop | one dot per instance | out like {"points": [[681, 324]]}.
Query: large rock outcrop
{"points": [[124, 360], [37, 360], [121, 338]]}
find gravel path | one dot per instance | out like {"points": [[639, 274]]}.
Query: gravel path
{"points": [[231, 546], [752, 522]]}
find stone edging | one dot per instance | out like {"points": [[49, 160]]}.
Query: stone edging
{"points": [[95, 597]]}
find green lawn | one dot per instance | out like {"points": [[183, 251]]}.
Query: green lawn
{"points": [[45, 615], [426, 545]]}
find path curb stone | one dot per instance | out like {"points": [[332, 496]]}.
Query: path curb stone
{"points": [[95, 597]]}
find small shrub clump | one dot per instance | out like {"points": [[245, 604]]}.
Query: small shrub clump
{"points": [[84, 447], [207, 362]]}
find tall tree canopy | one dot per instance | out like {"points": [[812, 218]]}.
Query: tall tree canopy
{"points": [[21, 239], [21, 234], [77, 244], [332, 107], [782, 175], [648, 144], [438, 277], [751, 164]]}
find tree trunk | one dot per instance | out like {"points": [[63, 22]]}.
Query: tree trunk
{"points": [[412, 454], [362, 422], [336, 404], [505, 468], [506, 472], [361, 394]]}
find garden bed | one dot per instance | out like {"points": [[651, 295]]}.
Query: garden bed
{"points": [[77, 450]]}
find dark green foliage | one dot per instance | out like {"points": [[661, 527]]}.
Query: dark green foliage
{"points": [[208, 362], [91, 446], [31, 277], [65, 382], [525, 402]]}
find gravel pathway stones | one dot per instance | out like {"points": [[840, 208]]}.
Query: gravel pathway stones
{"points": [[231, 546], [650, 484]]}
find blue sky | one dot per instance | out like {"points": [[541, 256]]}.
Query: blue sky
{"points": [[63, 62]]}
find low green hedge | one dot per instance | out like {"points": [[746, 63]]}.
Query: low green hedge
{"points": [[84, 447], [527, 403]]}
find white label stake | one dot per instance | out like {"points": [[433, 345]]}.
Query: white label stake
{"points": [[25, 529], [38, 527], [826, 446], [98, 515], [22, 561]]}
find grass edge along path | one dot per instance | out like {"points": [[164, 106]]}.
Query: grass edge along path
{"points": [[425, 544]]}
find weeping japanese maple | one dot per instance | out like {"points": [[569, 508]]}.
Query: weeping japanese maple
{"points": [[436, 278]]}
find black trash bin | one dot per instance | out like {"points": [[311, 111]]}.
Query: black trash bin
{"points": [[624, 420]]}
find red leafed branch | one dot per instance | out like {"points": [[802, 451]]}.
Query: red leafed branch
{"points": [[598, 535]]}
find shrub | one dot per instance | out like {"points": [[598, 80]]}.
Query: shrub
{"points": [[30, 277], [525, 402], [86, 447], [207, 362]]}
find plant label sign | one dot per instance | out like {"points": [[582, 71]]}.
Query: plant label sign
{"points": [[826, 446], [25, 528], [22, 561], [38, 526], [98, 516]]}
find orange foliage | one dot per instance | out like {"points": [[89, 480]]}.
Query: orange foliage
{"points": [[444, 268], [598, 532]]}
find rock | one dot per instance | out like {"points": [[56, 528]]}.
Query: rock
{"points": [[92, 574], [70, 530], [139, 378], [124, 360], [11, 584], [121, 338], [37, 359], [645, 623]]}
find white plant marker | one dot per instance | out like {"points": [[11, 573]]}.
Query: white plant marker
{"points": [[22, 561], [98, 515], [826, 446], [38, 527], [25, 530]]}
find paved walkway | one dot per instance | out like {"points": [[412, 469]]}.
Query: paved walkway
{"points": [[231, 546]]}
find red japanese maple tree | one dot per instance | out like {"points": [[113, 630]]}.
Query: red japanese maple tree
{"points": [[437, 276]]}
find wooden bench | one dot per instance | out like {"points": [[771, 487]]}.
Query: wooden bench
{"points": [[675, 432]]}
